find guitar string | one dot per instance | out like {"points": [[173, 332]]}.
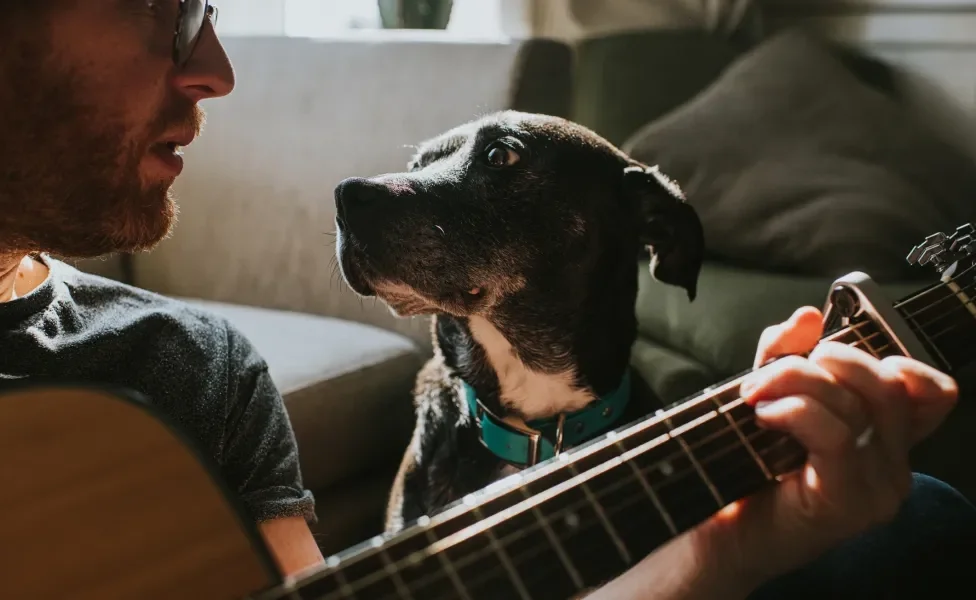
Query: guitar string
{"points": [[363, 581], [962, 307], [942, 284], [651, 516], [583, 525], [370, 579], [365, 552], [931, 305], [953, 296], [375, 577], [724, 431], [489, 575]]}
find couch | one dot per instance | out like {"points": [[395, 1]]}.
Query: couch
{"points": [[253, 239]]}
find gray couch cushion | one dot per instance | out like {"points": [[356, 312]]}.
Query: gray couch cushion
{"points": [[795, 165], [346, 386]]}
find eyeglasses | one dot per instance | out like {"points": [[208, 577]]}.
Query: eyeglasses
{"points": [[193, 15]]}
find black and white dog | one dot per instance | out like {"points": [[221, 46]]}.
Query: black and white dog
{"points": [[521, 235]]}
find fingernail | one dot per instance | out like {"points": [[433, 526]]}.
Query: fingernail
{"points": [[748, 386], [763, 407]]}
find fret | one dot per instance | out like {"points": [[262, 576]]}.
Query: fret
{"points": [[941, 317], [486, 570], [723, 452], [724, 408], [402, 592], [506, 561], [963, 296], [636, 522], [587, 521], [652, 496], [779, 451], [522, 547], [865, 342], [424, 578], [456, 584], [607, 525], [561, 553], [323, 587], [344, 588], [370, 568], [784, 454], [677, 432], [671, 475], [725, 457]]}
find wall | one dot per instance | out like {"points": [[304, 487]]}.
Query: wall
{"points": [[572, 20], [933, 41], [256, 198]]}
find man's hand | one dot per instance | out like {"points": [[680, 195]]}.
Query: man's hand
{"points": [[857, 416]]}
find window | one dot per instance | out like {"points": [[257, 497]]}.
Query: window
{"points": [[323, 18]]}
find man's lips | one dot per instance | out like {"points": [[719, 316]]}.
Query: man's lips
{"points": [[170, 155], [169, 150]]}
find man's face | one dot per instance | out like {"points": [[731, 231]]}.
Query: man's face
{"points": [[91, 107]]}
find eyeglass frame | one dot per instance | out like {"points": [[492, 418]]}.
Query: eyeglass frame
{"points": [[210, 13]]}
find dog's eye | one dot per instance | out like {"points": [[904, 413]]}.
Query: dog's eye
{"points": [[500, 155]]}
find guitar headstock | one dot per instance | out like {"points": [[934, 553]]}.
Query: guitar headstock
{"points": [[943, 251]]}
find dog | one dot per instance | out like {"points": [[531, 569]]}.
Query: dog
{"points": [[520, 234]]}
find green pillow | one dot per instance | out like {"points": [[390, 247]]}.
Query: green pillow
{"points": [[721, 328]]}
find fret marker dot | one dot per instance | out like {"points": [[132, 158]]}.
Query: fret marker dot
{"points": [[332, 561], [611, 435], [469, 500], [423, 521], [572, 520], [377, 541], [665, 468], [563, 457]]}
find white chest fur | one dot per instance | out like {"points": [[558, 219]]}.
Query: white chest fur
{"points": [[531, 393]]}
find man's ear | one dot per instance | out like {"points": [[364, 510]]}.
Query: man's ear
{"points": [[668, 226]]}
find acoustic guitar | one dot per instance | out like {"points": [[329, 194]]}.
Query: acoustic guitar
{"points": [[103, 499]]}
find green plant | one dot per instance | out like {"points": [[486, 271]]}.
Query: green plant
{"points": [[415, 14]]}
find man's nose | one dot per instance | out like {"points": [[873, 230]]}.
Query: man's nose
{"points": [[208, 73]]}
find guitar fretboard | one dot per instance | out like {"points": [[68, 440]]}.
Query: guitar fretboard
{"points": [[577, 521]]}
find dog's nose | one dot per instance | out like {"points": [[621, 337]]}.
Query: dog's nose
{"points": [[357, 195]]}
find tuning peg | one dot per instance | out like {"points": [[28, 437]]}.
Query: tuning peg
{"points": [[929, 250], [941, 250], [963, 241]]}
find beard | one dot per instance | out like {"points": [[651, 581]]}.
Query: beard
{"points": [[70, 181]]}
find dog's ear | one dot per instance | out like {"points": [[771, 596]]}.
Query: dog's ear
{"points": [[668, 226]]}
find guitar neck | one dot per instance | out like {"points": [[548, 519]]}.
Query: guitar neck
{"points": [[943, 318], [592, 512]]}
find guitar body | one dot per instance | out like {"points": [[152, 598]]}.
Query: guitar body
{"points": [[100, 500]]}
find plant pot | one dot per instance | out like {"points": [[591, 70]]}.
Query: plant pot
{"points": [[415, 14]]}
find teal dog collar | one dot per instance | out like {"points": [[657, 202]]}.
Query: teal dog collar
{"points": [[545, 438]]}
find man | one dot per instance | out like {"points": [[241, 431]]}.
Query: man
{"points": [[96, 96]]}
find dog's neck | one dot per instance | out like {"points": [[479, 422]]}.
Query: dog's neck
{"points": [[533, 394], [529, 364]]}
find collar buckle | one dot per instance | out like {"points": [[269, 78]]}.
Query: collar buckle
{"points": [[560, 426]]}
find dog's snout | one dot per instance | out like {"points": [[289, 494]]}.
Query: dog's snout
{"points": [[357, 195]]}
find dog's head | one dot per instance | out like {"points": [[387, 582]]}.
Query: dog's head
{"points": [[510, 204]]}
